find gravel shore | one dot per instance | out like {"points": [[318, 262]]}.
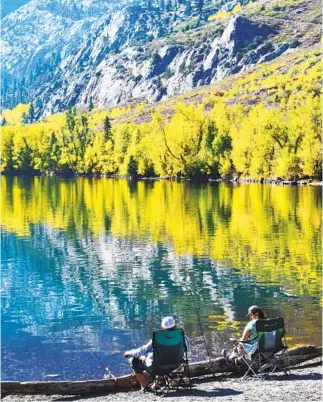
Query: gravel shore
{"points": [[304, 384]]}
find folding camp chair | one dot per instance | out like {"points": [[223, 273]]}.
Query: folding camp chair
{"points": [[271, 349], [170, 364]]}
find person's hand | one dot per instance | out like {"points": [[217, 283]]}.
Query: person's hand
{"points": [[126, 354]]}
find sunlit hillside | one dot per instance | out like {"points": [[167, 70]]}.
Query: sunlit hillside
{"points": [[262, 123]]}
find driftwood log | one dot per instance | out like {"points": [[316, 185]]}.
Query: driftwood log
{"points": [[296, 355]]}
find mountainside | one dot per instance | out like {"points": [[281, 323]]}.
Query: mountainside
{"points": [[91, 52]]}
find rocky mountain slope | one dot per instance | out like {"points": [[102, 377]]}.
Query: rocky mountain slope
{"points": [[103, 53]]}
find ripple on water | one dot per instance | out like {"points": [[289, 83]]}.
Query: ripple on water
{"points": [[82, 276]]}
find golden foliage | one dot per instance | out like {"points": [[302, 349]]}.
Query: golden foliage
{"points": [[220, 136]]}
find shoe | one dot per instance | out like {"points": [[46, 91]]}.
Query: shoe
{"points": [[225, 353]]}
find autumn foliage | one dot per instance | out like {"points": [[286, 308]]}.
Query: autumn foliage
{"points": [[264, 124]]}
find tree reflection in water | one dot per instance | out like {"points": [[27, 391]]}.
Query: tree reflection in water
{"points": [[92, 265]]}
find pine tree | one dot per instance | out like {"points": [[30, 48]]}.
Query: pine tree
{"points": [[31, 112], [4, 122], [200, 4], [91, 104], [107, 128], [39, 103], [188, 8], [24, 118], [70, 119], [169, 5]]}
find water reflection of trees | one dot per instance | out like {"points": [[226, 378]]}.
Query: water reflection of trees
{"points": [[93, 264], [74, 288], [273, 233]]}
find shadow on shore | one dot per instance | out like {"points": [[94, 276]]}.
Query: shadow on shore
{"points": [[298, 377], [212, 393]]}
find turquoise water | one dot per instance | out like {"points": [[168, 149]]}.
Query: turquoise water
{"points": [[90, 266]]}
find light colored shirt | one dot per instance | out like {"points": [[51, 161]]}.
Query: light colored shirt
{"points": [[142, 350], [251, 346], [147, 349]]}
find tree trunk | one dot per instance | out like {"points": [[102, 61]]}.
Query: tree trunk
{"points": [[296, 355]]}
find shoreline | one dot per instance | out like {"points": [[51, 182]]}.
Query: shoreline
{"points": [[208, 180], [304, 383]]}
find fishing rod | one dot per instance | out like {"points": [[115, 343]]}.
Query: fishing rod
{"points": [[108, 376], [105, 367], [201, 327]]}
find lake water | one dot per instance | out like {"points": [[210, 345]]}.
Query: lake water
{"points": [[90, 266]]}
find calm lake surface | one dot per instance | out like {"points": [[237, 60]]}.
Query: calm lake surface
{"points": [[90, 266]]}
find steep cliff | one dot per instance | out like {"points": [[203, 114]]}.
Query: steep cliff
{"points": [[92, 52]]}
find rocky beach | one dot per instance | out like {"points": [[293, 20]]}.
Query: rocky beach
{"points": [[304, 384]]}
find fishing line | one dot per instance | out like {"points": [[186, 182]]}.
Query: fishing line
{"points": [[106, 368], [101, 361], [200, 324]]}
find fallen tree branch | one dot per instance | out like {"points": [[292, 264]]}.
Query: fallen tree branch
{"points": [[296, 355]]}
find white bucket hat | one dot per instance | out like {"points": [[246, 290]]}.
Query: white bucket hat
{"points": [[168, 322]]}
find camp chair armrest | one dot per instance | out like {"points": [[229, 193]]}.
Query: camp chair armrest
{"points": [[247, 341]]}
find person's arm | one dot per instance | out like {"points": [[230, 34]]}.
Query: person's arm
{"points": [[246, 333], [139, 351]]}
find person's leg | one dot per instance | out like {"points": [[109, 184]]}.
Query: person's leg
{"points": [[240, 350], [238, 360], [142, 380], [138, 367], [234, 356]]}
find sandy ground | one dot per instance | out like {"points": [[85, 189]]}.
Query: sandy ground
{"points": [[304, 384]]}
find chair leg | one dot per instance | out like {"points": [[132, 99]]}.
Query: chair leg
{"points": [[250, 368], [277, 364], [288, 371], [165, 383], [254, 367], [188, 373]]}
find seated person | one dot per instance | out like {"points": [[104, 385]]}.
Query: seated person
{"points": [[141, 359], [249, 334]]}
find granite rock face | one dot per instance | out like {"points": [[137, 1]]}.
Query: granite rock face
{"points": [[66, 53]]}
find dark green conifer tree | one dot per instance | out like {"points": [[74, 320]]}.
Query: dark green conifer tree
{"points": [[39, 103], [24, 118], [107, 128], [91, 104], [31, 112], [188, 7]]}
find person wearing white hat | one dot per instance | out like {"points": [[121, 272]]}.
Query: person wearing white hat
{"points": [[249, 334], [141, 359]]}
